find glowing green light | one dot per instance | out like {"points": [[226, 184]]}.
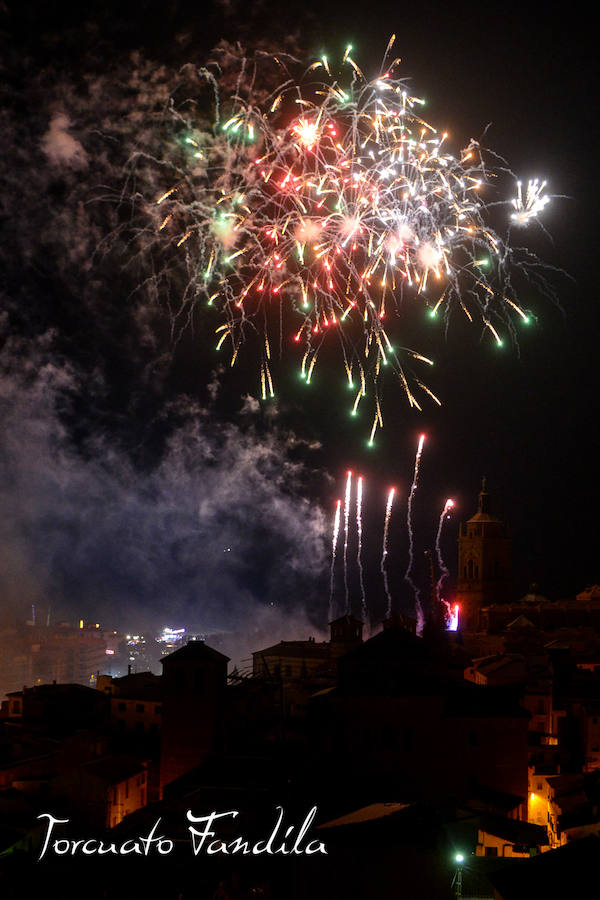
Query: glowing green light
{"points": [[527, 320], [370, 443], [432, 313], [499, 343]]}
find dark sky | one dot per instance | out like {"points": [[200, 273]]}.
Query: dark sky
{"points": [[523, 416]]}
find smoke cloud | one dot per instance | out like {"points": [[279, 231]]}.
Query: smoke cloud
{"points": [[61, 148], [216, 534], [130, 494]]}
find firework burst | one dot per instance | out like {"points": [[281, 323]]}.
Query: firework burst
{"points": [[534, 202], [314, 213]]}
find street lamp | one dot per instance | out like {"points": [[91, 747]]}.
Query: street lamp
{"points": [[459, 860]]}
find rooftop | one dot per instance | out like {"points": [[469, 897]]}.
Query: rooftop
{"points": [[371, 813], [138, 686], [114, 769], [296, 649], [553, 874], [195, 651], [515, 831]]}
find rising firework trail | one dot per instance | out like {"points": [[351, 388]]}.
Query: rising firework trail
{"points": [[313, 210], [388, 513], [453, 620], [448, 505], [346, 523], [363, 598], [409, 525], [336, 531]]}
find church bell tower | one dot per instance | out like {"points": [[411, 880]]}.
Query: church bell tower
{"points": [[484, 563]]}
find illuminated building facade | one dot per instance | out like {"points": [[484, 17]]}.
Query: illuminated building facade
{"points": [[33, 654]]}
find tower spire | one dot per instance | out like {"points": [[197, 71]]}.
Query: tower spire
{"points": [[484, 563], [484, 497]]}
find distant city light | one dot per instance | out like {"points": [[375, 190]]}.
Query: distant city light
{"points": [[171, 636]]}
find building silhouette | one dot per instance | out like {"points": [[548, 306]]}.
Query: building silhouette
{"points": [[484, 563], [194, 681], [290, 660]]}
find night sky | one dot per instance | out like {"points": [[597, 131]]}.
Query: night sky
{"points": [[138, 480]]}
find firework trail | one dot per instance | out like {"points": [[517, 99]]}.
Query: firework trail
{"points": [[409, 525], [364, 611], [388, 513], [319, 207], [448, 505], [452, 624], [336, 531], [346, 523]]}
